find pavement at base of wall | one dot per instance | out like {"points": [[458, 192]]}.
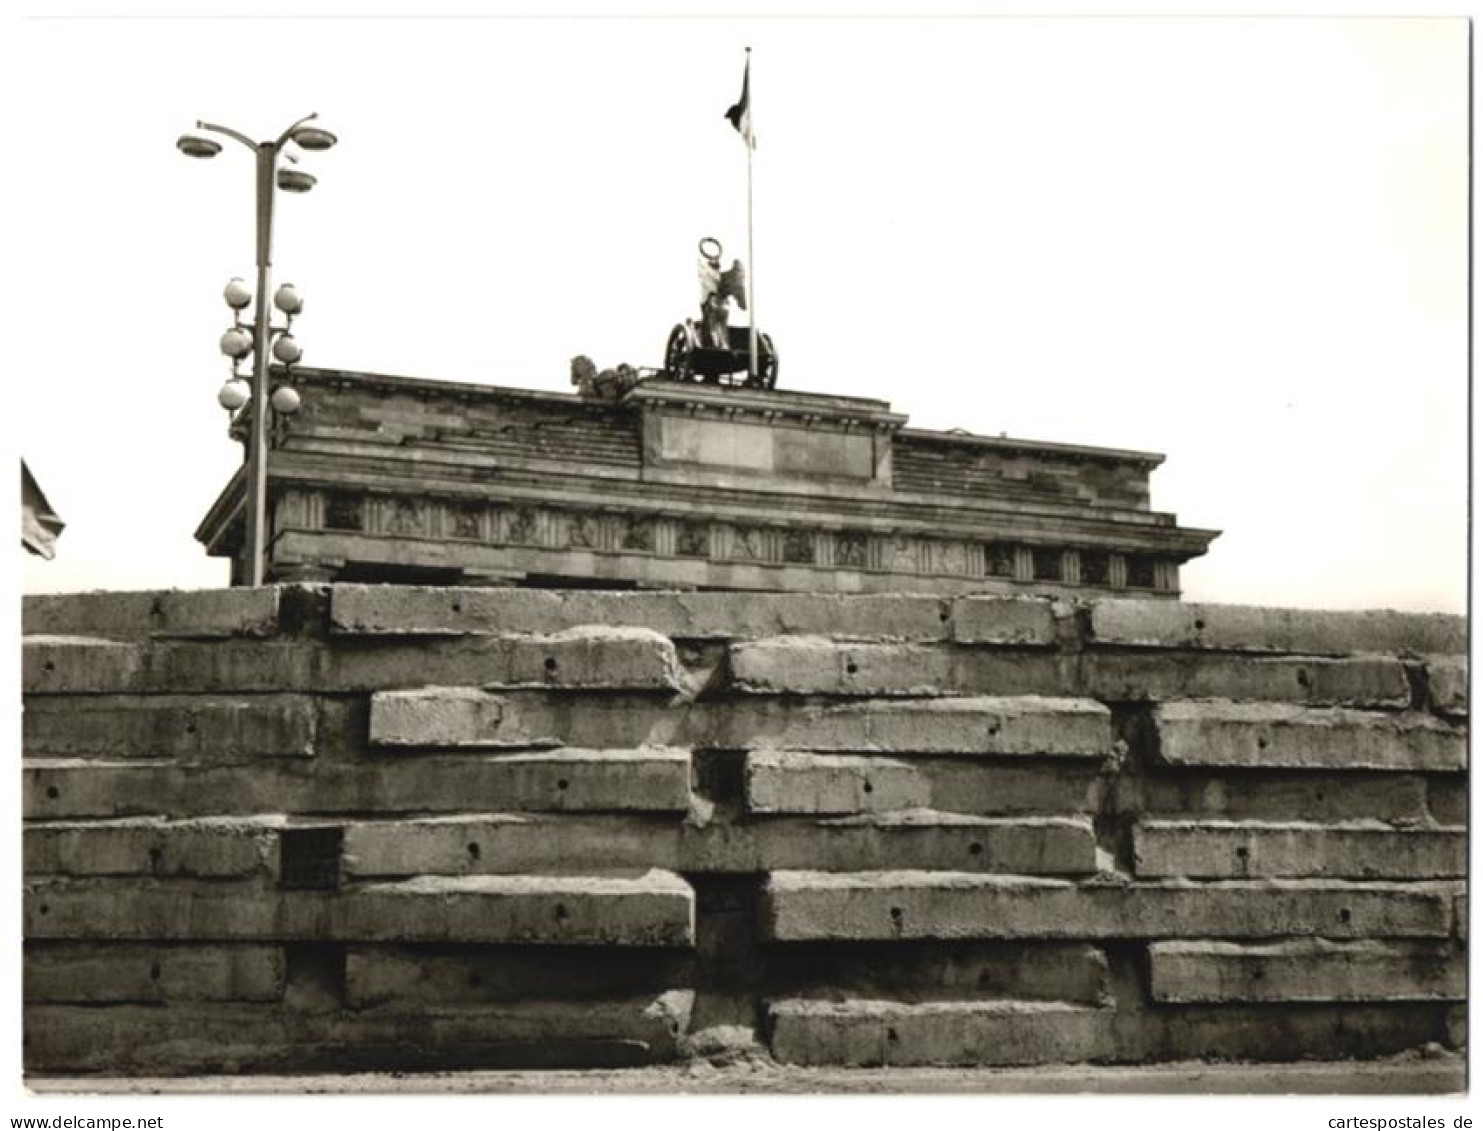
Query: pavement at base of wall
{"points": [[1424, 1072]]}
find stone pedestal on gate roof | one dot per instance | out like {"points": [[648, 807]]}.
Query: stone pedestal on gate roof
{"points": [[682, 485]]}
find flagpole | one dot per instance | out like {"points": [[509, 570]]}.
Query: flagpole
{"points": [[751, 258]]}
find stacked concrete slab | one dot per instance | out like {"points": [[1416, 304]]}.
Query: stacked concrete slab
{"points": [[339, 827]]}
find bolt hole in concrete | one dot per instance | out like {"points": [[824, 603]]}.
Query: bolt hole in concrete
{"points": [[457, 606], [851, 668], [154, 971], [562, 784], [52, 793], [474, 850], [562, 914], [156, 853], [975, 849], [1242, 851], [1302, 677], [1199, 626], [190, 728], [869, 788], [895, 914], [1344, 915], [48, 666], [1261, 742], [45, 910], [551, 665], [892, 1035]]}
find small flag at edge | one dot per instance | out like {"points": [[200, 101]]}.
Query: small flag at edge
{"points": [[740, 115]]}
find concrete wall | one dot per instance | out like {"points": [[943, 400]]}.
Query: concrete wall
{"points": [[330, 828]]}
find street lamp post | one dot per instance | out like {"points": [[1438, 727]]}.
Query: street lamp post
{"points": [[290, 179]]}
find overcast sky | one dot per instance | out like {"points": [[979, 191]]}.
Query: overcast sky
{"points": [[1241, 243]]}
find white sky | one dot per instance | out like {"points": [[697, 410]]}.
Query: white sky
{"points": [[1240, 242]]}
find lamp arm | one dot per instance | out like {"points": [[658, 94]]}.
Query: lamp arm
{"points": [[229, 132], [284, 136]]}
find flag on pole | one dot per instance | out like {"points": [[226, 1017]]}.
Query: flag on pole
{"points": [[39, 523], [740, 115]]}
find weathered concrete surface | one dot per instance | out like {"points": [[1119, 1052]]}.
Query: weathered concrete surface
{"points": [[801, 665], [468, 717], [467, 975], [495, 843], [1447, 684], [822, 666], [1437, 1073], [1306, 970], [1004, 620], [1355, 850], [189, 728], [785, 781], [243, 1038], [171, 613], [646, 780], [651, 909], [409, 610], [1242, 628], [1147, 676], [1271, 736], [220, 848], [867, 1033], [95, 973], [1283, 795], [587, 657], [949, 905], [933, 970], [790, 781]]}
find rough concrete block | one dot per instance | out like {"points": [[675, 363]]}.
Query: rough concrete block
{"points": [[420, 976], [934, 970], [1246, 628], [1306, 970], [592, 657], [489, 843], [195, 729], [97, 973], [223, 848], [787, 781], [445, 716], [862, 1033], [1355, 850], [60, 664], [1447, 684], [626, 780], [158, 613], [232, 1038], [585, 657], [407, 610], [976, 786], [1278, 795], [980, 726], [1279, 1031], [1363, 681], [949, 905], [493, 843], [1447, 799], [1216, 733], [813, 665], [649, 909], [1004, 620]]}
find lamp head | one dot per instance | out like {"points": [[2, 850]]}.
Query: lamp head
{"points": [[295, 180], [287, 299], [237, 293], [193, 145], [313, 138]]}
